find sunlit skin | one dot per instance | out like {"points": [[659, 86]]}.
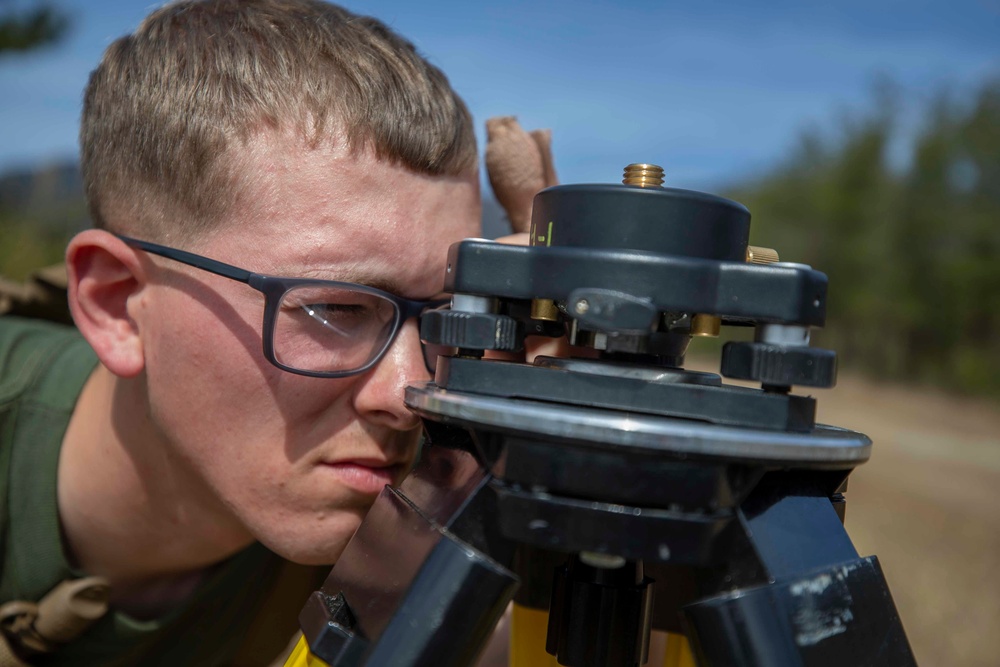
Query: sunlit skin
{"points": [[187, 444]]}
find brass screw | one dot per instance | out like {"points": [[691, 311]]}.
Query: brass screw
{"points": [[706, 325], [544, 309], [644, 175], [758, 255]]}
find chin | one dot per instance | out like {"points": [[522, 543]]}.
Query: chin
{"points": [[312, 544], [310, 554]]}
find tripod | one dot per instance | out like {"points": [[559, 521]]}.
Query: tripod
{"points": [[613, 492]]}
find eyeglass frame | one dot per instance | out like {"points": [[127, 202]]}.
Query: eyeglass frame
{"points": [[274, 289]]}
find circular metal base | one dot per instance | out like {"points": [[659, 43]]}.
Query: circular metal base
{"points": [[823, 447], [630, 370]]}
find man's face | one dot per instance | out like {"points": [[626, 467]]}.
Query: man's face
{"points": [[297, 461]]}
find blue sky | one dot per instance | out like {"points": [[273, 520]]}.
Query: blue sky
{"points": [[713, 91]]}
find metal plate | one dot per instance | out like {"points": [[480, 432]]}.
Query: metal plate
{"points": [[730, 405], [823, 447]]}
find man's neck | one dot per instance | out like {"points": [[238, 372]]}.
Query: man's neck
{"points": [[132, 511]]}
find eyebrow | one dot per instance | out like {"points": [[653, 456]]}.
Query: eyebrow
{"points": [[384, 285], [358, 278]]}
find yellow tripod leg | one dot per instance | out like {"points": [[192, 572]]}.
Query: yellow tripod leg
{"points": [[678, 653], [302, 657], [528, 628]]}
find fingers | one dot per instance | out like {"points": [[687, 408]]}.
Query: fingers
{"points": [[543, 139], [518, 164], [521, 238]]}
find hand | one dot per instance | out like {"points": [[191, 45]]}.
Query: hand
{"points": [[518, 164]]}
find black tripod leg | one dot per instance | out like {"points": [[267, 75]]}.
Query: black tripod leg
{"points": [[411, 592], [796, 592]]}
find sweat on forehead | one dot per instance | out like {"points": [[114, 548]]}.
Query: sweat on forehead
{"points": [[168, 103]]}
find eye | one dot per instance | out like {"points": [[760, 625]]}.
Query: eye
{"points": [[322, 310], [312, 309], [342, 318], [325, 306]]}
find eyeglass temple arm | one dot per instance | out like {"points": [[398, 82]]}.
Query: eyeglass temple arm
{"points": [[191, 259]]}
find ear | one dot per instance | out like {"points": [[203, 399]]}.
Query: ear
{"points": [[105, 276]]}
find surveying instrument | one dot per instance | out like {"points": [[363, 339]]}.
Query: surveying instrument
{"points": [[612, 492]]}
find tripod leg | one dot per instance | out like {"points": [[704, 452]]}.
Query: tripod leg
{"points": [[302, 657], [678, 652], [795, 591], [528, 630]]}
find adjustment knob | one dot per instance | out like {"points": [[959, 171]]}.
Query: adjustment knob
{"points": [[475, 331], [779, 365]]}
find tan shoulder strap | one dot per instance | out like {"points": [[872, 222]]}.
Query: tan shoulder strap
{"points": [[30, 628]]}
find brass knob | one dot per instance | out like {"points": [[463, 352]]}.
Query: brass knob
{"points": [[758, 255], [544, 309], [703, 324]]}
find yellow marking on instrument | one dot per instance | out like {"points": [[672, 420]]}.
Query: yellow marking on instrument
{"points": [[548, 240]]}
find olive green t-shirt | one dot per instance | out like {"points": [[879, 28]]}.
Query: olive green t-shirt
{"points": [[245, 611]]}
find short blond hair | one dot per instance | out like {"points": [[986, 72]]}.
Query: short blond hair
{"points": [[200, 77]]}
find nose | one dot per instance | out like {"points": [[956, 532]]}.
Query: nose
{"points": [[379, 396]]}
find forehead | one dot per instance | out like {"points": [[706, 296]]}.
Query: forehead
{"points": [[326, 212]]}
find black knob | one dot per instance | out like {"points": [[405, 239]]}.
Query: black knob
{"points": [[475, 331], [779, 365]]}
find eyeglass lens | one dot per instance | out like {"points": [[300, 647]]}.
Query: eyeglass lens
{"points": [[323, 328]]}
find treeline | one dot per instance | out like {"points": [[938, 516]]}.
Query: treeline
{"points": [[912, 252]]}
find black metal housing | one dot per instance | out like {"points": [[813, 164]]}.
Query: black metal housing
{"points": [[666, 221], [671, 283], [737, 406]]}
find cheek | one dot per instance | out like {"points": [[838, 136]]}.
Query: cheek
{"points": [[206, 386], [231, 414]]}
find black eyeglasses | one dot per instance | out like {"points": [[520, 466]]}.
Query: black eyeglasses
{"points": [[319, 328]]}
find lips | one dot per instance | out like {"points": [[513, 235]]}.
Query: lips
{"points": [[366, 477]]}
